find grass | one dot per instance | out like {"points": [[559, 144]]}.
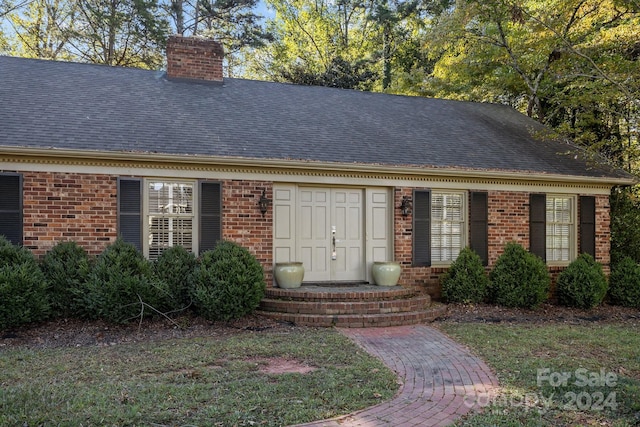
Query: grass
{"points": [[601, 362], [204, 381]]}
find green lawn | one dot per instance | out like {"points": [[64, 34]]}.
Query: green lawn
{"points": [[204, 381], [557, 374]]}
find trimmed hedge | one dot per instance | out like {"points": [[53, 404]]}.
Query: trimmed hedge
{"points": [[582, 284], [23, 293], [66, 267], [229, 282], [465, 281], [176, 267], [519, 279], [121, 281], [624, 283]]}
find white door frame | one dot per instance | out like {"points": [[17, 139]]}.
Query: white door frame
{"points": [[376, 228]]}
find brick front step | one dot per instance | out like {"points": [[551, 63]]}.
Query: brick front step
{"points": [[346, 307], [355, 306], [340, 294], [359, 320]]}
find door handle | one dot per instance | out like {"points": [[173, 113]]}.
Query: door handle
{"points": [[334, 254]]}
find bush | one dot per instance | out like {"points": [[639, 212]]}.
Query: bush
{"points": [[120, 282], [229, 282], [582, 284], [176, 267], [466, 280], [624, 283], [66, 267], [519, 279], [23, 296]]}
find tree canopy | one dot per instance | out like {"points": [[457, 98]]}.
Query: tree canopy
{"points": [[571, 64]]}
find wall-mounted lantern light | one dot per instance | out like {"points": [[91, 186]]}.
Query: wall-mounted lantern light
{"points": [[405, 206], [263, 203]]}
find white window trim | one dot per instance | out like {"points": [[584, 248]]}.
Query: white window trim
{"points": [[465, 223], [146, 213], [573, 231]]}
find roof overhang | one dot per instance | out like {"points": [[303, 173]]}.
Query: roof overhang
{"points": [[145, 159]]}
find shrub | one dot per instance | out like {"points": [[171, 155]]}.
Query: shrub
{"points": [[229, 282], [176, 267], [466, 280], [519, 279], [624, 283], [66, 267], [23, 296], [121, 280], [582, 284]]}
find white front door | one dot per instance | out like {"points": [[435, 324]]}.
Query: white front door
{"points": [[331, 233]]}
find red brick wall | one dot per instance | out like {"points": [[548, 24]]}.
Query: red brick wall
{"points": [[69, 207], [243, 223], [508, 221], [603, 232], [83, 208]]}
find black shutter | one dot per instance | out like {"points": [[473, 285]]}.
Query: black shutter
{"points": [[11, 207], [130, 211], [210, 215], [479, 230], [588, 225], [422, 228], [538, 225]]}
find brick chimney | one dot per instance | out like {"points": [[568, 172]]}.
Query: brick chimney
{"points": [[195, 58]]}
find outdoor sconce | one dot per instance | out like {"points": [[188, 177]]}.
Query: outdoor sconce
{"points": [[405, 206], [263, 203]]}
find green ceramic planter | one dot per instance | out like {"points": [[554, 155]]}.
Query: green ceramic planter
{"points": [[386, 273], [289, 274]]}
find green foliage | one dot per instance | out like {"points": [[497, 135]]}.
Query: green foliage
{"points": [[466, 280], [120, 282], [176, 267], [519, 279], [229, 282], [625, 225], [23, 297], [66, 267], [624, 287], [582, 284]]}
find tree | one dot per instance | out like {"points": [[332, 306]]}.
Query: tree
{"points": [[120, 32], [232, 22], [43, 29], [365, 38], [571, 64]]}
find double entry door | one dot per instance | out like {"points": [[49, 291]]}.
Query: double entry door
{"points": [[331, 233], [337, 232]]}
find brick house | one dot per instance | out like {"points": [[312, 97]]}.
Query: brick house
{"points": [[334, 178]]}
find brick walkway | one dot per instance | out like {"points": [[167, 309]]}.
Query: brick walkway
{"points": [[440, 379]]}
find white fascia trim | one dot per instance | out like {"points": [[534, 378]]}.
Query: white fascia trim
{"points": [[297, 165]]}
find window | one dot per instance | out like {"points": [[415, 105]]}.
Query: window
{"points": [[447, 226], [560, 240], [170, 216], [440, 225], [156, 214]]}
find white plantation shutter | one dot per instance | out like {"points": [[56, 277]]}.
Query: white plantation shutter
{"points": [[559, 229], [447, 226], [171, 216]]}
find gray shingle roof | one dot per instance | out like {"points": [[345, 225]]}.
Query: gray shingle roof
{"points": [[93, 107]]}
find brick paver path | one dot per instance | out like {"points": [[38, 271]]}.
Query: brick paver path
{"points": [[440, 379]]}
